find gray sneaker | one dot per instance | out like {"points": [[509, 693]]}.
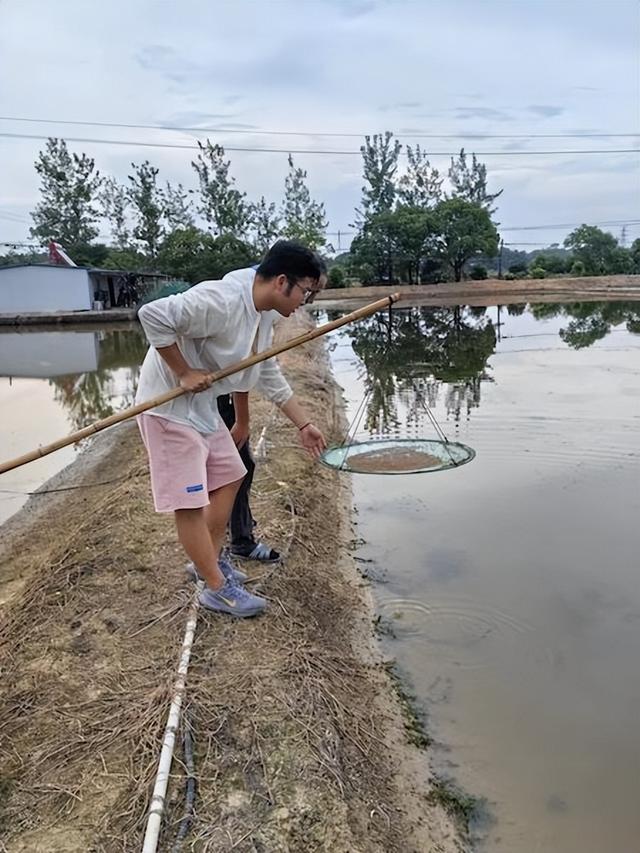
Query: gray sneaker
{"points": [[226, 567], [233, 599]]}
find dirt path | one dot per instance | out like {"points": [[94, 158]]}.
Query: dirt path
{"points": [[300, 741], [497, 291]]}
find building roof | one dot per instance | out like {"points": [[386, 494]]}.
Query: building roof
{"points": [[95, 270]]}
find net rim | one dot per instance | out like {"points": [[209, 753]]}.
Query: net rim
{"points": [[344, 468]]}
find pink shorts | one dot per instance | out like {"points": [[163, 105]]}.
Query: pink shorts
{"points": [[186, 465]]}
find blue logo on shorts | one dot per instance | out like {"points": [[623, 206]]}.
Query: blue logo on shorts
{"points": [[197, 488]]}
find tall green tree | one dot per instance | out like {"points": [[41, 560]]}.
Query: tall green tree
{"points": [[465, 230], [380, 163], [148, 204], [223, 207], [265, 224], [421, 184], [595, 249], [69, 184], [469, 182], [303, 218], [115, 205], [178, 210]]}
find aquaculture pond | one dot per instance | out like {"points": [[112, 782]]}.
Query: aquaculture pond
{"points": [[507, 590]]}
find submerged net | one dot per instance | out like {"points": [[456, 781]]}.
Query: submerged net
{"points": [[397, 456]]}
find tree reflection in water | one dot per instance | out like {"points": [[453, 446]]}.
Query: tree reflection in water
{"points": [[408, 360], [590, 321], [94, 395]]}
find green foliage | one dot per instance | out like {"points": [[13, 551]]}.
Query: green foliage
{"points": [[634, 252], [518, 267], [147, 203], [178, 210], [169, 289], [265, 225], [552, 262], [89, 255], [478, 272], [464, 230], [396, 243], [129, 260], [577, 268], [115, 203], [380, 163], [69, 184], [537, 272], [337, 277], [194, 255], [224, 208], [509, 276], [469, 182], [421, 184], [596, 249], [32, 257], [303, 218]]}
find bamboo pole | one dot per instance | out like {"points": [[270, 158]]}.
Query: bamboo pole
{"points": [[97, 426]]}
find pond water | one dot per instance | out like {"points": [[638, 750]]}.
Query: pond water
{"points": [[508, 589], [53, 382]]}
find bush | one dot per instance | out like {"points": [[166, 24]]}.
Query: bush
{"points": [[509, 276], [168, 289], [538, 272], [578, 268], [336, 277], [478, 273], [519, 267]]}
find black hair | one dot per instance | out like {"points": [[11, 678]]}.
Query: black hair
{"points": [[287, 257]]}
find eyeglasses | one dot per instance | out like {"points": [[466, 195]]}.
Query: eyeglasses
{"points": [[309, 293]]}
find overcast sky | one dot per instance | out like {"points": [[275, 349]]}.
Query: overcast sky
{"points": [[504, 68]]}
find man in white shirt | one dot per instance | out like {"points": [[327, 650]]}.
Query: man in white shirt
{"points": [[243, 544], [194, 463]]}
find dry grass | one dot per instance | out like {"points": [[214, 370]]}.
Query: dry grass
{"points": [[291, 717]]}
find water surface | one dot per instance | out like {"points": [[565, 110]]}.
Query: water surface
{"points": [[509, 587]]}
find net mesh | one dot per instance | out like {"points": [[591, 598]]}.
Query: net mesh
{"points": [[397, 456]]}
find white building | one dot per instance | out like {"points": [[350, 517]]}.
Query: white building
{"points": [[45, 288]]}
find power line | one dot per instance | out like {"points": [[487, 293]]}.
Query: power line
{"points": [[470, 135], [135, 144]]}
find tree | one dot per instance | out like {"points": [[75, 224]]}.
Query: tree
{"points": [[194, 255], [336, 277], [177, 207], [470, 182], [115, 203], [380, 163], [223, 206], [265, 224], [634, 252], [465, 230], [69, 185], [421, 184], [148, 204], [551, 262], [303, 218], [595, 249]]}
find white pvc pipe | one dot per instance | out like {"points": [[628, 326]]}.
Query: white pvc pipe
{"points": [[156, 807]]}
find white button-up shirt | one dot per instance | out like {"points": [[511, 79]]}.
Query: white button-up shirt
{"points": [[214, 324]]}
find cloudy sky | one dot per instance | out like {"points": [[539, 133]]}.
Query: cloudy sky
{"points": [[514, 74]]}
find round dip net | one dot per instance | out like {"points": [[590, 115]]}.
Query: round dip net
{"points": [[397, 456]]}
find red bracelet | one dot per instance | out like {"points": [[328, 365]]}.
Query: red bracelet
{"points": [[308, 423]]}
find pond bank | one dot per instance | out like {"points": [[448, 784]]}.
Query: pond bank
{"points": [[300, 740], [495, 291]]}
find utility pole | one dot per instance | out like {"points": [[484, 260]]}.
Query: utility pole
{"points": [[500, 259]]}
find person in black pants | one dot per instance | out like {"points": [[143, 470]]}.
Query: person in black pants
{"points": [[241, 523]]}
